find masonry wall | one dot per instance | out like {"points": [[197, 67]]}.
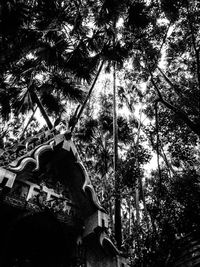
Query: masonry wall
{"points": [[96, 257]]}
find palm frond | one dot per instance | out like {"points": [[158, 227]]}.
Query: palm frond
{"points": [[110, 11], [171, 9], [106, 122], [51, 103], [116, 53], [96, 42], [78, 54], [137, 15], [68, 88], [124, 131], [48, 54], [73, 92], [47, 14], [8, 95], [87, 68], [87, 132], [14, 14], [23, 102], [5, 105]]}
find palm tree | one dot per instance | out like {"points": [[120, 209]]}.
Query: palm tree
{"points": [[50, 60]]}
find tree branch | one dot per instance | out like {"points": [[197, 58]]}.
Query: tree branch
{"points": [[196, 50], [174, 86], [29, 121], [181, 114], [177, 90], [42, 110]]}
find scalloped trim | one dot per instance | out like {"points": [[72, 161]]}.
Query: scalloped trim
{"points": [[21, 164], [18, 166], [104, 239], [88, 186], [39, 151], [69, 145]]}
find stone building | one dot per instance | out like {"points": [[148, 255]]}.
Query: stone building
{"points": [[50, 214]]}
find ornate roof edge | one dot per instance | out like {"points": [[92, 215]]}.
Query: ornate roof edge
{"points": [[34, 157], [20, 164], [106, 242], [87, 186]]}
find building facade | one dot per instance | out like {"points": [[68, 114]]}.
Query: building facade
{"points": [[50, 214]]}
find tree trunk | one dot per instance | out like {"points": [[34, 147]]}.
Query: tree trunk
{"points": [[137, 206], [118, 230], [29, 121], [157, 150], [77, 117], [42, 110]]}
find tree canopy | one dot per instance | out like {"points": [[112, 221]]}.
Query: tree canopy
{"points": [[51, 53]]}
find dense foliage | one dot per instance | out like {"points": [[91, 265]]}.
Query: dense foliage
{"points": [[49, 55]]}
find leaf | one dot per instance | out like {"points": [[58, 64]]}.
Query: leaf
{"points": [[171, 9], [137, 15], [51, 103]]}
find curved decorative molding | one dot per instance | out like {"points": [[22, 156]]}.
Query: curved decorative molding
{"points": [[39, 151], [69, 145], [106, 242], [21, 164], [34, 158], [15, 162], [88, 186], [93, 194]]}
